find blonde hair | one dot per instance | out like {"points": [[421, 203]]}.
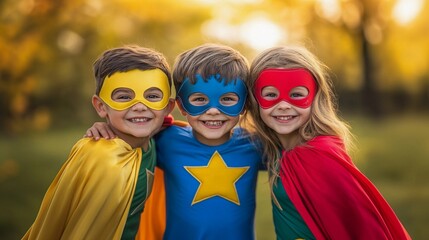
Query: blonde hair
{"points": [[323, 118]]}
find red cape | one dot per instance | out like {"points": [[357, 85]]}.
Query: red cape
{"points": [[334, 198]]}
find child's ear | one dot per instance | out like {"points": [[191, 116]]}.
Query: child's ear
{"points": [[171, 104], [181, 109], [99, 106]]}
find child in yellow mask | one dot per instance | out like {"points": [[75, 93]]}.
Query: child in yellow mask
{"points": [[100, 191]]}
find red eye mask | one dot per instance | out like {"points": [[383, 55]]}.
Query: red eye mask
{"points": [[285, 80]]}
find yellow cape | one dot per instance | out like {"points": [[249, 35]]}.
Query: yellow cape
{"points": [[91, 195]]}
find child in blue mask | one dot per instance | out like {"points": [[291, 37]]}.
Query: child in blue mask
{"points": [[210, 167]]}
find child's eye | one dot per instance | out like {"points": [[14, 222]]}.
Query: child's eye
{"points": [[298, 92], [296, 95], [198, 99], [270, 93], [226, 99], [229, 99], [125, 97], [122, 95], [153, 95]]}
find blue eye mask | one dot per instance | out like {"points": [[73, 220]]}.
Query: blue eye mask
{"points": [[214, 90]]}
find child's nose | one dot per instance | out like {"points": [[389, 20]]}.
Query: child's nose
{"points": [[283, 105], [213, 111], [139, 107]]}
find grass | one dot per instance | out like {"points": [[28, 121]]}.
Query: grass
{"points": [[392, 153]]}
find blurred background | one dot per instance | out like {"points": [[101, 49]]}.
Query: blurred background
{"points": [[377, 52]]}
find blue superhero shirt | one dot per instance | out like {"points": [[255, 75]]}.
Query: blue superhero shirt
{"points": [[210, 190]]}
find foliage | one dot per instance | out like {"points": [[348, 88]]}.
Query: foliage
{"points": [[48, 47]]}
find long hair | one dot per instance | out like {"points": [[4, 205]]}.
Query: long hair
{"points": [[323, 118]]}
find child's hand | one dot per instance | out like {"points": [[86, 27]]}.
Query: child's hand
{"points": [[98, 130]]}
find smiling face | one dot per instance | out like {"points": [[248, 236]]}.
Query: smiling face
{"points": [[132, 110], [212, 127], [212, 108], [284, 118], [285, 97]]}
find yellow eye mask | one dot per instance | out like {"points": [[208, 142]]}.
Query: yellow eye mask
{"points": [[138, 81]]}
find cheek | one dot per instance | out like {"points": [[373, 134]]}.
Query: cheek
{"points": [[234, 120], [306, 113], [161, 114], [116, 114], [264, 115], [164, 113], [190, 118]]}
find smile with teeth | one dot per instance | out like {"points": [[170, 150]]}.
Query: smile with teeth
{"points": [[213, 123], [284, 118], [139, 120]]}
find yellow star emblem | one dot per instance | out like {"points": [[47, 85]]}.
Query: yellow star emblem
{"points": [[216, 179]]}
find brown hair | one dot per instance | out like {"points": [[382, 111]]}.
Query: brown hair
{"points": [[126, 58], [210, 59]]}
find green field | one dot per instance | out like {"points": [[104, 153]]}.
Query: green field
{"points": [[393, 153]]}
